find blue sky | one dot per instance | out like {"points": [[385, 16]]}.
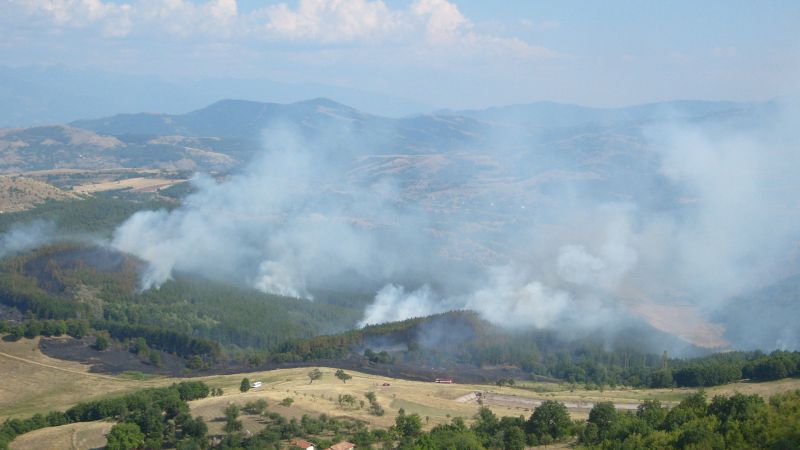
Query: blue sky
{"points": [[453, 54]]}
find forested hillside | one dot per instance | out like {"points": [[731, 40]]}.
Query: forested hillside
{"points": [[96, 284], [72, 288]]}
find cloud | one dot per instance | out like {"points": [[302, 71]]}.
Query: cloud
{"points": [[115, 20], [423, 25], [330, 21], [437, 25], [443, 21]]}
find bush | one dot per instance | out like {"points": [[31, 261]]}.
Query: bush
{"points": [[100, 343]]}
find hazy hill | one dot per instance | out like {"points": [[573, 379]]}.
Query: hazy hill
{"points": [[228, 119], [67, 147], [46, 95], [246, 119]]}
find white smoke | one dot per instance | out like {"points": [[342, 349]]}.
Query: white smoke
{"points": [[26, 236], [278, 279], [513, 301], [719, 219], [393, 303], [289, 218]]}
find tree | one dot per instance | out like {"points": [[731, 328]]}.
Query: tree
{"points": [[139, 346], [514, 439], [16, 332], [652, 412], [603, 415], [315, 374], [256, 407], [155, 357], [347, 400], [661, 378], [231, 422], [245, 385], [551, 418], [340, 374], [100, 343], [194, 428], [769, 369], [485, 422], [408, 426], [504, 382], [125, 436]]}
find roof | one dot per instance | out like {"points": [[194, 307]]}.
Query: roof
{"points": [[344, 445], [302, 443]]}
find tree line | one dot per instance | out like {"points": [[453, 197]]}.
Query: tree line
{"points": [[152, 418], [736, 421]]}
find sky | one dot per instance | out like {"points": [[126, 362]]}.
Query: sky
{"points": [[446, 54]]}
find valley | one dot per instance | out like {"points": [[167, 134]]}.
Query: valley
{"points": [[140, 251]]}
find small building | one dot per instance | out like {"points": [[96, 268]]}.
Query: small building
{"points": [[444, 380], [344, 445], [301, 443], [255, 384]]}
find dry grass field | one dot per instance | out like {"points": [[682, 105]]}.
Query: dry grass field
{"points": [[139, 184], [33, 382], [76, 436], [20, 193]]}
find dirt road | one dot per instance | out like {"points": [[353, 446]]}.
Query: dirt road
{"points": [[514, 401]]}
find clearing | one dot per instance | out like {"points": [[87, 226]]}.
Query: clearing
{"points": [[77, 436], [138, 184], [34, 382]]}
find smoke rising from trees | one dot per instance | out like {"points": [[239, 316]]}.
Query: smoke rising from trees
{"points": [[716, 217]]}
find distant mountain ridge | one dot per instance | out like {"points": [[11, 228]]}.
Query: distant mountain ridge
{"points": [[550, 114], [225, 118], [48, 95], [240, 118]]}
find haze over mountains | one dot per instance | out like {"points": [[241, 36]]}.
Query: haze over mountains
{"points": [[541, 215], [47, 95]]}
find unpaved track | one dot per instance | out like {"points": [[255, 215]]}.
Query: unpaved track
{"points": [[514, 401], [62, 369]]}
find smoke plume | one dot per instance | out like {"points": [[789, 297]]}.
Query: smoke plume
{"points": [[25, 237], [526, 230]]}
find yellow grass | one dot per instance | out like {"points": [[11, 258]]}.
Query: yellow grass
{"points": [[39, 173], [19, 193], [33, 382], [137, 184], [765, 390], [77, 436], [431, 401]]}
